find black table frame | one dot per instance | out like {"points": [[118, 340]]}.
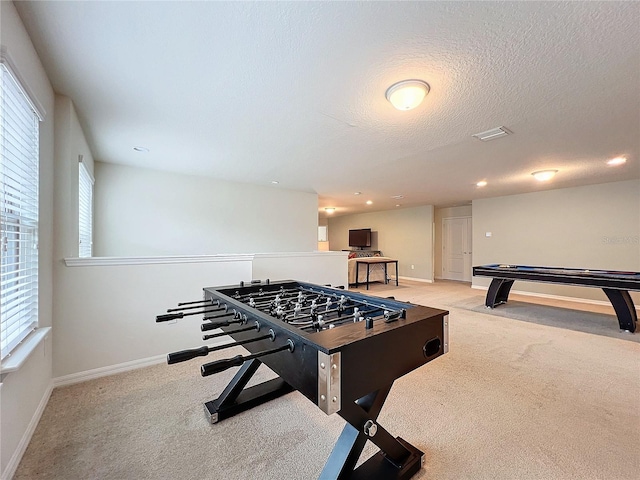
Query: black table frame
{"points": [[368, 261], [615, 286], [360, 381]]}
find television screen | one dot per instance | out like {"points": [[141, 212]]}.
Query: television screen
{"points": [[360, 238]]}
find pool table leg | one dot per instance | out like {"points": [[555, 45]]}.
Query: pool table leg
{"points": [[625, 310], [498, 292]]}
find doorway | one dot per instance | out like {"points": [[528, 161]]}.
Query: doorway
{"points": [[456, 248]]}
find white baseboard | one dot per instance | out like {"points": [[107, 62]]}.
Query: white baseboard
{"points": [[552, 297], [106, 371], [12, 466], [424, 280]]}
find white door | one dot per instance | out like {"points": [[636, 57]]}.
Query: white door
{"points": [[456, 248], [468, 244]]}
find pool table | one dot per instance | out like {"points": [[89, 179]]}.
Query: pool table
{"points": [[615, 284]]}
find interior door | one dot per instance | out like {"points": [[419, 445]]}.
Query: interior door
{"points": [[456, 248], [467, 250]]}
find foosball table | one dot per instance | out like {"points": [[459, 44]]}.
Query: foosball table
{"points": [[342, 350]]}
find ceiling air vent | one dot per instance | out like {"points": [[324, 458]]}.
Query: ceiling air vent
{"points": [[492, 134]]}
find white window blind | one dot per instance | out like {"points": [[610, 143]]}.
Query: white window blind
{"points": [[19, 124], [85, 211]]}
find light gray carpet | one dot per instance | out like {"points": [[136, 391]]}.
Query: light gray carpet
{"points": [[512, 400]]}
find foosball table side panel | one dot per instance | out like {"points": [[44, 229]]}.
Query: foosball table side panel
{"points": [[383, 358]]}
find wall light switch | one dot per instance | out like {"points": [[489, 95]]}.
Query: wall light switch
{"points": [[487, 234]]}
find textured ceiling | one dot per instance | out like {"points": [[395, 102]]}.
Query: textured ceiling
{"points": [[294, 92]]}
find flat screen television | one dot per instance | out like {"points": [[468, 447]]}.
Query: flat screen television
{"points": [[360, 238]]}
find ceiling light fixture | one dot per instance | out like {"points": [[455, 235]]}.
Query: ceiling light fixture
{"points": [[482, 183], [544, 175], [369, 202], [329, 209], [407, 94], [275, 182], [397, 197], [141, 149], [617, 161], [492, 134], [357, 193]]}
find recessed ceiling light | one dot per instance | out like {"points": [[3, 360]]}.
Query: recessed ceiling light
{"points": [[408, 94], [329, 209], [275, 182], [482, 183], [617, 161], [492, 134], [141, 149], [544, 175], [357, 193], [397, 204], [369, 202], [397, 197]]}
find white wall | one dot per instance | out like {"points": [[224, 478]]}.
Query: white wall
{"points": [[595, 227], [404, 234], [23, 391], [70, 143], [108, 318], [322, 268], [24, 394], [145, 212]]}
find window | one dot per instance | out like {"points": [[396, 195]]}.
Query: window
{"points": [[19, 152], [85, 211]]}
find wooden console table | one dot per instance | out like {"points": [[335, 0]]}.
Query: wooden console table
{"points": [[375, 260]]}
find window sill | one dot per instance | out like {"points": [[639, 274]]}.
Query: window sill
{"points": [[21, 353]]}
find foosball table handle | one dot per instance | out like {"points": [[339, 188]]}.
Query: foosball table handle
{"points": [[168, 317], [221, 365], [205, 327], [185, 355], [174, 316]]}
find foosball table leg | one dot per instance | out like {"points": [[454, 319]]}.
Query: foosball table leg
{"points": [[236, 398], [396, 460]]}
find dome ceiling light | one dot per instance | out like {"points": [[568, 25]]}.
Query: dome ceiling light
{"points": [[407, 94], [544, 175], [617, 161]]}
